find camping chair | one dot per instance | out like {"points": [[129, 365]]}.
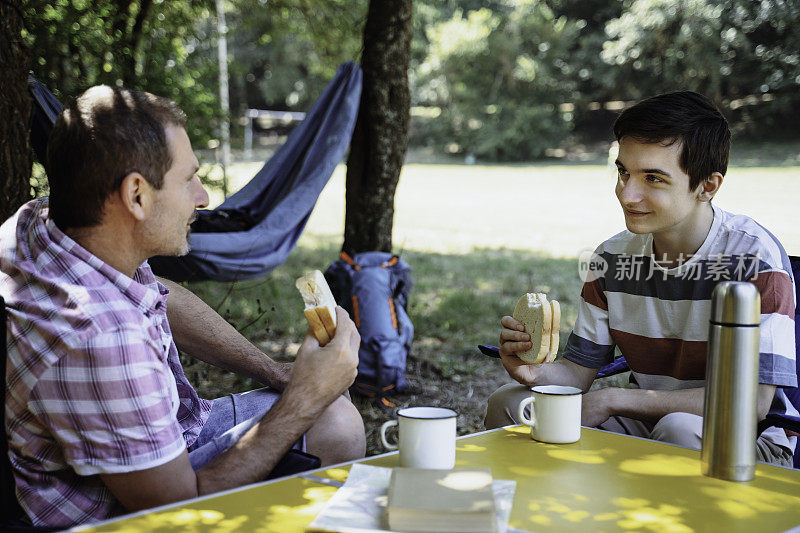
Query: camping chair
{"points": [[787, 422]]}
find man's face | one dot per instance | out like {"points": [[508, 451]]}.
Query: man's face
{"points": [[176, 203], [653, 190]]}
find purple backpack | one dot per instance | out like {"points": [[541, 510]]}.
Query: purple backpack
{"points": [[373, 287]]}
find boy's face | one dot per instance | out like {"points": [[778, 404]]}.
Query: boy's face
{"points": [[653, 190]]}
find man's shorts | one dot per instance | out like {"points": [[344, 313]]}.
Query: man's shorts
{"points": [[230, 418]]}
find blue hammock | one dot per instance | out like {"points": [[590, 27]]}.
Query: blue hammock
{"points": [[44, 112], [254, 230]]}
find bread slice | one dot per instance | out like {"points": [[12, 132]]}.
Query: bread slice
{"points": [[320, 308], [554, 340], [536, 314], [327, 315], [317, 327]]}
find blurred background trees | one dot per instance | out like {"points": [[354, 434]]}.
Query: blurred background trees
{"points": [[490, 79], [516, 79], [281, 52]]}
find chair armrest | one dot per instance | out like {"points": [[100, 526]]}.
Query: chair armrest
{"points": [[618, 366], [489, 350], [786, 422]]}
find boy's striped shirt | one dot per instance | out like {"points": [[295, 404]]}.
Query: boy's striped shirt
{"points": [[659, 318]]}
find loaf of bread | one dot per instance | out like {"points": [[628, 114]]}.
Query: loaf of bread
{"points": [[542, 320], [320, 308]]}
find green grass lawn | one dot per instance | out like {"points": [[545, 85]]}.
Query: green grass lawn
{"points": [[476, 237], [555, 208]]}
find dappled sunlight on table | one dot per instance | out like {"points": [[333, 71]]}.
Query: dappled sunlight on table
{"points": [[518, 430], [184, 520], [744, 501], [603, 482], [579, 456], [285, 517], [624, 514], [337, 474], [652, 519], [248, 510], [661, 465], [784, 475], [642, 514], [469, 448], [528, 471], [564, 508]]}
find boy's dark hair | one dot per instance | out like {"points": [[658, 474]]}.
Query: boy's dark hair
{"points": [[685, 117], [100, 138]]}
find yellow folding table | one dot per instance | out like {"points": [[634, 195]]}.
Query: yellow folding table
{"points": [[604, 482]]}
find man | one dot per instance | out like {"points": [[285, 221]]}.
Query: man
{"points": [[100, 416], [653, 301]]}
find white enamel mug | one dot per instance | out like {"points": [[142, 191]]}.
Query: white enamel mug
{"points": [[555, 413], [427, 437]]}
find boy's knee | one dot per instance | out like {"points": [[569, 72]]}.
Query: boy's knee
{"points": [[683, 429], [501, 408]]}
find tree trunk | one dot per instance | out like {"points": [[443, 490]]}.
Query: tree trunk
{"points": [[127, 31], [134, 38], [381, 132], [15, 109]]}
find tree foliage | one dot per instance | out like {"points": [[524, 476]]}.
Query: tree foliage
{"points": [[284, 52], [499, 77], [725, 49], [477, 58], [159, 46], [736, 51], [281, 52]]}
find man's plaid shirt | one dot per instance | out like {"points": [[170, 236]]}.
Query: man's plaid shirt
{"points": [[94, 383]]}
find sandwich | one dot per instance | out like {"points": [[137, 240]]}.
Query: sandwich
{"points": [[542, 320], [320, 308]]}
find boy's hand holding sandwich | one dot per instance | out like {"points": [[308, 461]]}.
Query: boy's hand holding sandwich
{"points": [[541, 320], [530, 337]]}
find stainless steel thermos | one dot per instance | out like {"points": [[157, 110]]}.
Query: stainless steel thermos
{"points": [[731, 396]]}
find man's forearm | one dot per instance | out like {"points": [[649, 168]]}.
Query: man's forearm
{"points": [[249, 460], [199, 331]]}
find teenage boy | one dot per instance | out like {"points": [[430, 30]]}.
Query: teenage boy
{"points": [[653, 301]]}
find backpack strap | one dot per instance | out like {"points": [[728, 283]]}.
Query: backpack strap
{"points": [[395, 325], [356, 314], [349, 260]]}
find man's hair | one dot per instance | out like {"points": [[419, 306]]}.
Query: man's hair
{"points": [[685, 117], [100, 138]]}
